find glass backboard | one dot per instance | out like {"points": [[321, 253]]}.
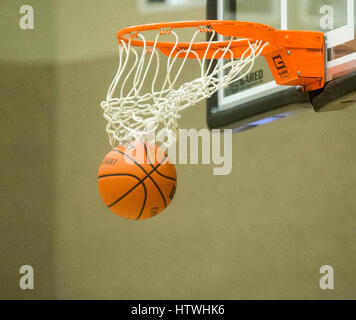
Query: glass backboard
{"points": [[256, 99]]}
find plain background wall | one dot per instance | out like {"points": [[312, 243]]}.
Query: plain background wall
{"points": [[261, 232], [27, 144]]}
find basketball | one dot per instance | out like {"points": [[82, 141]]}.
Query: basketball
{"points": [[137, 181]]}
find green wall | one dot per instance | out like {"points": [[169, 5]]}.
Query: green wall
{"points": [[261, 232]]}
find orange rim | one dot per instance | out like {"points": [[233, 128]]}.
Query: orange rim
{"points": [[128, 33], [299, 53]]}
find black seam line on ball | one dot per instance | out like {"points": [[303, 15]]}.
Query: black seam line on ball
{"points": [[154, 169], [118, 174], [164, 176], [149, 160], [147, 175], [140, 182], [148, 157], [137, 184], [144, 202]]}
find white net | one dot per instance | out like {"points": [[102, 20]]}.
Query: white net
{"points": [[145, 98]]}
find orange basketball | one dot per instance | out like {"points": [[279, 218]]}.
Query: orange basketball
{"points": [[137, 181]]}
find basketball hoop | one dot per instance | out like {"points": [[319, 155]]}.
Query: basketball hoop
{"points": [[147, 96]]}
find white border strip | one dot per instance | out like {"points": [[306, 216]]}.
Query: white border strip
{"points": [[342, 60], [284, 14], [252, 92]]}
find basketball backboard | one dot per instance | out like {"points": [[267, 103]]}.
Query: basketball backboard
{"points": [[256, 99]]}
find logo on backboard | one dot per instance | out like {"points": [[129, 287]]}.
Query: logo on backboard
{"points": [[280, 66]]}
